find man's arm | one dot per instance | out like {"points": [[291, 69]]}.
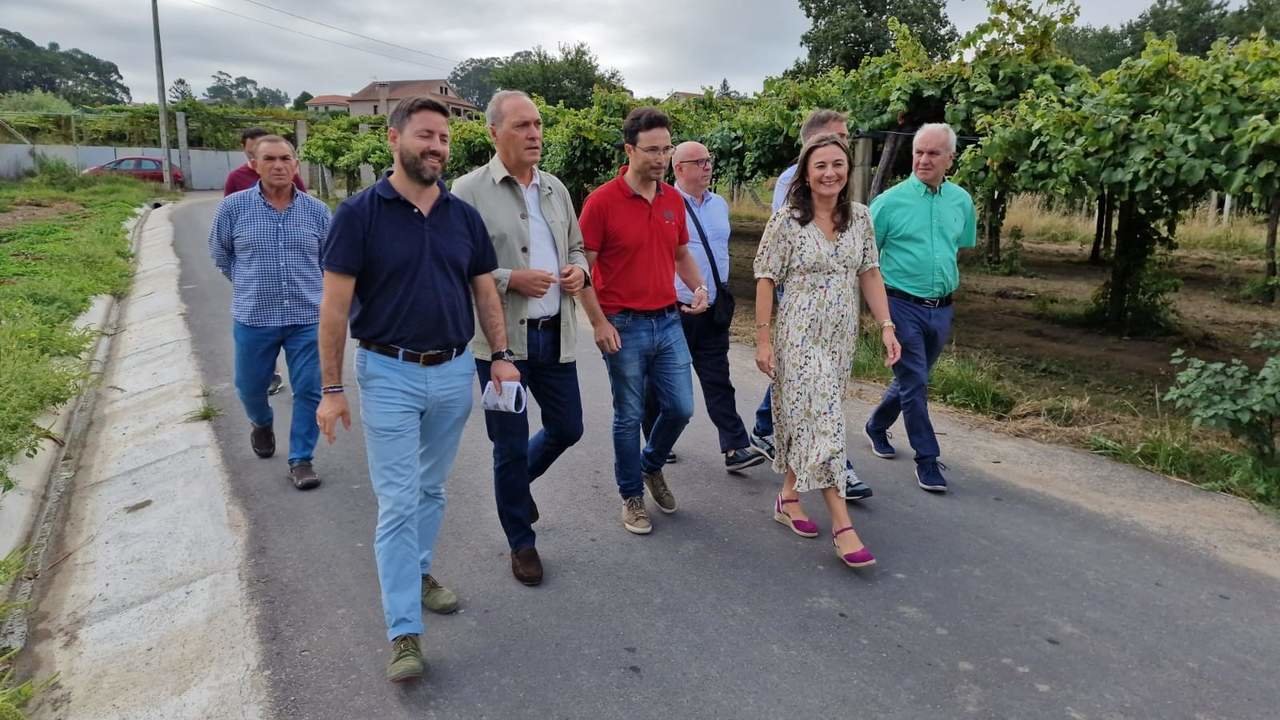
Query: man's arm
{"points": [[494, 326], [335, 304], [606, 335], [576, 274], [969, 236], [691, 276], [222, 246]]}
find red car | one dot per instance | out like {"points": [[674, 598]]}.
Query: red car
{"points": [[143, 168]]}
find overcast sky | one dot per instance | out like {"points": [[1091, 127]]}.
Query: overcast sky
{"points": [[658, 45]]}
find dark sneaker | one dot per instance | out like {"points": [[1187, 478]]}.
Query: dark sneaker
{"points": [[661, 494], [743, 458], [880, 446], [277, 383], [303, 476], [671, 457], [851, 488], [526, 566], [438, 598], [263, 440], [929, 476], [635, 518], [764, 443], [406, 659], [534, 516]]}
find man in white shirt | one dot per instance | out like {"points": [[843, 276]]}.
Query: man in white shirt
{"points": [[541, 269]]}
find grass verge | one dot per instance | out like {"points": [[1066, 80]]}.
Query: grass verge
{"points": [[50, 268]]}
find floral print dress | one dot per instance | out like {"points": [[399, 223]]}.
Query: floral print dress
{"points": [[813, 339]]}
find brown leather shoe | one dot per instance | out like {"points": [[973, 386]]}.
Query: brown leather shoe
{"points": [[303, 476], [263, 440], [526, 566]]}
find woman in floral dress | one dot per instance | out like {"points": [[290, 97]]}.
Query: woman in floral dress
{"points": [[821, 247]]}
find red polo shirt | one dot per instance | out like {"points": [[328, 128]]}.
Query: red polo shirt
{"points": [[636, 241], [245, 177]]}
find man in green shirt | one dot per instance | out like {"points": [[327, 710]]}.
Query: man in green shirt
{"points": [[920, 224]]}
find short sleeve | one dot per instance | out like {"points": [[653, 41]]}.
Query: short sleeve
{"points": [[682, 223], [344, 247], [969, 236], [592, 223], [484, 259], [866, 234], [774, 250], [880, 219]]}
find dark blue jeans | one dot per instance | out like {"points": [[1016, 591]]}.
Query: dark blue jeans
{"points": [[923, 333], [764, 414], [654, 353], [256, 351], [709, 348], [518, 459]]}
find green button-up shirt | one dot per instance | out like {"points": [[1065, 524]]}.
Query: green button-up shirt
{"points": [[499, 198], [919, 231]]}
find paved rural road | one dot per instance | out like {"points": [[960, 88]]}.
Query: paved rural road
{"points": [[1049, 584]]}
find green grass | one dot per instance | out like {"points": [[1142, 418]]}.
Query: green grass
{"points": [[966, 380], [49, 270], [1172, 448]]}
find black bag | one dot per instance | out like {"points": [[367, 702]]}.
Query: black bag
{"points": [[722, 309]]}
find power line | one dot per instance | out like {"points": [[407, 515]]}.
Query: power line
{"points": [[315, 37], [350, 32]]}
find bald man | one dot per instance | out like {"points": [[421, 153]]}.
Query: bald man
{"points": [[707, 216]]}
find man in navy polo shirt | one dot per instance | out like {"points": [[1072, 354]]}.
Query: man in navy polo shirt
{"points": [[633, 229], [403, 260]]}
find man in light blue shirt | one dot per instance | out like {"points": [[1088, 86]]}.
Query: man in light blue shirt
{"points": [[819, 122], [707, 216]]}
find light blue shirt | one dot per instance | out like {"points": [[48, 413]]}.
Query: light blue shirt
{"points": [[713, 213], [782, 187]]}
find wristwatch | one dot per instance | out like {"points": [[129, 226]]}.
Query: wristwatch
{"points": [[503, 355]]}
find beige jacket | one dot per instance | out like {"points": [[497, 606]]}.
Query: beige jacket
{"points": [[499, 198]]}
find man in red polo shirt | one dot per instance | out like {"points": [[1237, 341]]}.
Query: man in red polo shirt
{"points": [[633, 230], [245, 177]]}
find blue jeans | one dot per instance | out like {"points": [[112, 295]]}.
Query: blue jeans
{"points": [[764, 414], [413, 418], [654, 353], [256, 351], [923, 333], [518, 460]]}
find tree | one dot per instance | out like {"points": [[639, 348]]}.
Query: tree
{"points": [[1253, 16], [243, 92], [300, 102], [1195, 23], [1097, 48], [726, 92], [845, 32], [36, 101], [473, 78], [568, 78], [75, 75], [180, 90]]}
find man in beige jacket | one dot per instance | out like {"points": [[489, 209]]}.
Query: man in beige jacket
{"points": [[542, 269]]}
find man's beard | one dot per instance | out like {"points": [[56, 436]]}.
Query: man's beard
{"points": [[416, 167]]}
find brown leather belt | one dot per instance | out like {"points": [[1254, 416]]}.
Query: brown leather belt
{"points": [[426, 359]]}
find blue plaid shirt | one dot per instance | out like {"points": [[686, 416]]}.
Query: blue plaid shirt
{"points": [[272, 258]]}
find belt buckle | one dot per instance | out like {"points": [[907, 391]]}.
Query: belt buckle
{"points": [[931, 302]]}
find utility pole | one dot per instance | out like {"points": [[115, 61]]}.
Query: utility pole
{"points": [[164, 110]]}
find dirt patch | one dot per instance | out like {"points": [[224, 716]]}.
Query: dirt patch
{"points": [[18, 214]]}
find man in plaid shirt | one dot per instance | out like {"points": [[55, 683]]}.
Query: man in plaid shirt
{"points": [[266, 240]]}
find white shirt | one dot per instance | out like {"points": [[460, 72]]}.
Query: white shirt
{"points": [[542, 251], [781, 189]]}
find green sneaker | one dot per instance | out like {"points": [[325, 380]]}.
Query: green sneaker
{"points": [[406, 659], [438, 598]]}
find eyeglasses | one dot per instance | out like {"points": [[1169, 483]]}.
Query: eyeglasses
{"points": [[656, 151], [703, 163]]}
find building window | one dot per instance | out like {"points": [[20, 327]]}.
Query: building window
{"points": [[444, 89], [375, 108]]}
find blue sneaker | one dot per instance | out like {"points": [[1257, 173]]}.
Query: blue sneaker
{"points": [[929, 476], [880, 446]]}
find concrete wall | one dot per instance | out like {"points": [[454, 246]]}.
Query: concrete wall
{"points": [[208, 169]]}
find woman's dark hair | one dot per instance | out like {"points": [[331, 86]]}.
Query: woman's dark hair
{"points": [[800, 195], [642, 119]]}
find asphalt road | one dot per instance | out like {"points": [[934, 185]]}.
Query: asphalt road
{"points": [[996, 601]]}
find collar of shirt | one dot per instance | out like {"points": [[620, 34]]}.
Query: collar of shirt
{"points": [[923, 189], [293, 197], [387, 191], [626, 186], [697, 201], [498, 171]]}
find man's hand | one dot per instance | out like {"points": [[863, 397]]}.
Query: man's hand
{"points": [[699, 302], [764, 359], [607, 338], [531, 283], [501, 371], [572, 278], [333, 406]]}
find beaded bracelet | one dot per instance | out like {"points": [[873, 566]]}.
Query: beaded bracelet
{"points": [[331, 389]]}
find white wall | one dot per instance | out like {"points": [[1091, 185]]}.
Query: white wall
{"points": [[208, 169]]}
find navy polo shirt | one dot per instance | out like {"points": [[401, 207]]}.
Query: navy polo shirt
{"points": [[413, 273]]}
